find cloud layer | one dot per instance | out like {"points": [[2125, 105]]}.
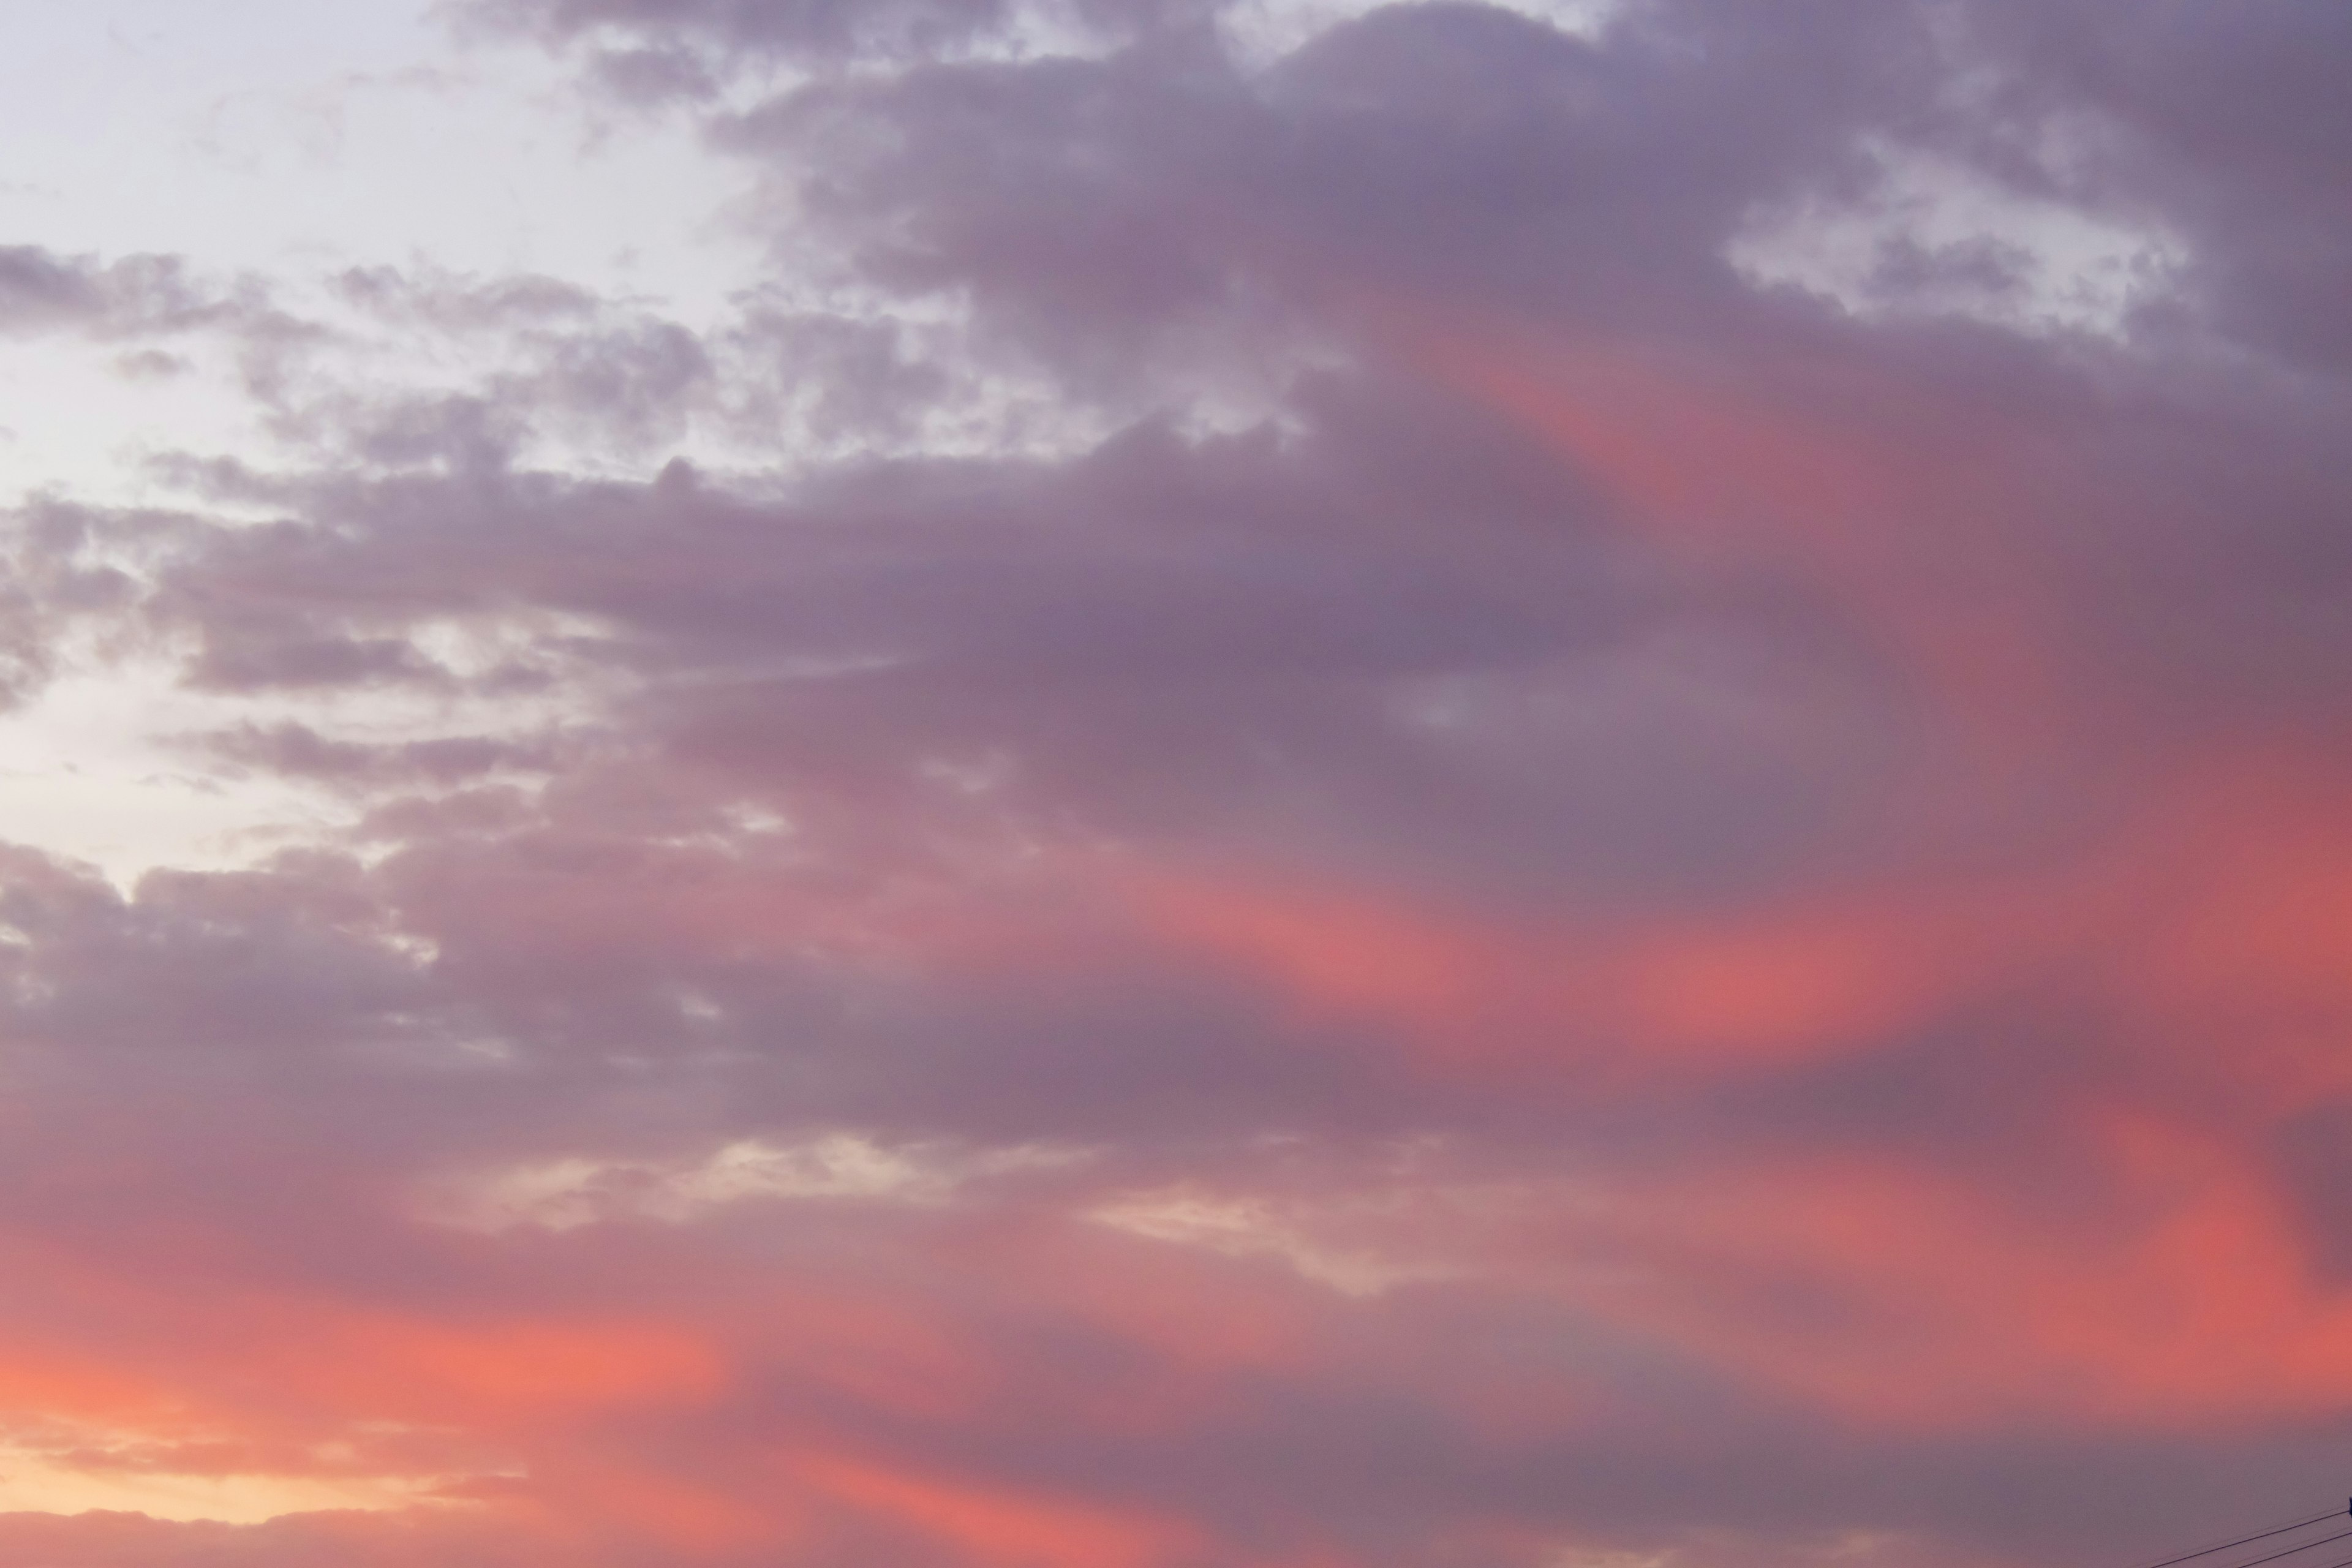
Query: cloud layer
{"points": [[1445, 787]]}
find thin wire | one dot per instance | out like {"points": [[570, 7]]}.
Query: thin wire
{"points": [[2345, 1535], [2264, 1535]]}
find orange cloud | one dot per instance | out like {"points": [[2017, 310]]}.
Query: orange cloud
{"points": [[1896, 509], [393, 1365], [998, 1526], [1768, 986], [2213, 905], [1905, 1297], [2236, 963], [50, 1382]]}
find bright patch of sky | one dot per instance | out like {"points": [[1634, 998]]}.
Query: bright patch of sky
{"points": [[254, 133], [274, 145], [1931, 235], [33, 1480], [87, 771], [1256, 1228], [1262, 31], [285, 142], [108, 764], [566, 1194]]}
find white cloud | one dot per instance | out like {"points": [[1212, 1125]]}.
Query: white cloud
{"points": [[1260, 32], [1932, 235], [566, 1194], [1258, 1227], [38, 1479]]}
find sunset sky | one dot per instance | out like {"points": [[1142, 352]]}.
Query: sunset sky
{"points": [[1174, 783]]}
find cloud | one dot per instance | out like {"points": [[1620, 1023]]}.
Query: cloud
{"points": [[137, 295], [561, 1193], [1247, 1227], [1341, 787], [1931, 239]]}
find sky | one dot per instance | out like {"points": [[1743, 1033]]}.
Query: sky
{"points": [[1174, 783]]}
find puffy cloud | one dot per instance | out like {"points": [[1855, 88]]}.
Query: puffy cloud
{"points": [[138, 295]]}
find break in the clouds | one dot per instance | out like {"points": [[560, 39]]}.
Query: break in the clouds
{"points": [[1174, 783]]}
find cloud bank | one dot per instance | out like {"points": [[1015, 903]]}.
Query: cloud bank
{"points": [[1418, 786]]}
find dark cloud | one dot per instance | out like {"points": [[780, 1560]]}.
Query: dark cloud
{"points": [[299, 750], [824, 29], [136, 296]]}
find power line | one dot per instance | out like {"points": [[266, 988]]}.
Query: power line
{"points": [[2342, 1535], [2265, 1535]]}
